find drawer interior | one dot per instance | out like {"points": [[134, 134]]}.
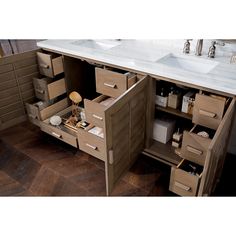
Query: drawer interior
{"points": [[130, 76], [50, 64], [202, 131], [94, 130], [33, 109], [64, 114], [190, 168], [52, 55], [104, 100]]}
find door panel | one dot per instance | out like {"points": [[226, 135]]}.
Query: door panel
{"points": [[124, 133], [216, 154]]}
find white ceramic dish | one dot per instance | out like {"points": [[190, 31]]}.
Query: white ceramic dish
{"points": [[55, 120]]}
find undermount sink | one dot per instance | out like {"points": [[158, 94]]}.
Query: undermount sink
{"points": [[198, 65], [97, 44]]}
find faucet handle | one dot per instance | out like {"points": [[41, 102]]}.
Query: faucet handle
{"points": [[214, 42], [220, 43]]}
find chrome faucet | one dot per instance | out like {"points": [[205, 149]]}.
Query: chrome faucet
{"points": [[212, 49], [198, 51]]}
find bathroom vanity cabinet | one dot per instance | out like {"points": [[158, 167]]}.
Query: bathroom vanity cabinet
{"points": [[121, 101]]}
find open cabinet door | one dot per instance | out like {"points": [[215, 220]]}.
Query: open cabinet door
{"points": [[216, 155], [125, 131]]}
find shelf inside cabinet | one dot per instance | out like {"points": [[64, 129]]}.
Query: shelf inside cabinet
{"points": [[174, 112], [163, 152]]}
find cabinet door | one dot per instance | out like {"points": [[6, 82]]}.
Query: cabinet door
{"points": [[216, 154], [125, 130]]}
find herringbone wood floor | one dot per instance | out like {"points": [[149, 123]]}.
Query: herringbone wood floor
{"points": [[33, 163]]}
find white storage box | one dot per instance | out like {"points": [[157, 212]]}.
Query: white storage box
{"points": [[163, 130]]}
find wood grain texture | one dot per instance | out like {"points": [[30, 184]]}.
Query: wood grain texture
{"points": [[7, 76], [197, 142], [216, 154], [182, 178], [16, 73], [208, 104], [6, 68], [94, 111], [119, 118], [105, 79]]}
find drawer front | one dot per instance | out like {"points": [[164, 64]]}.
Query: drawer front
{"points": [[110, 83], [48, 65], [91, 144], [208, 111], [53, 109], [42, 114], [59, 134], [94, 112], [194, 147], [46, 90], [183, 183], [57, 64], [56, 88]]}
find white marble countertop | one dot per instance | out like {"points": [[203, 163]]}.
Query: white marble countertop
{"points": [[143, 56]]}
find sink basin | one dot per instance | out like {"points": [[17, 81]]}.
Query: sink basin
{"points": [[198, 65], [97, 44]]}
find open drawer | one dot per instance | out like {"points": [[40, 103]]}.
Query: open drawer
{"points": [[113, 82], [43, 110], [195, 144], [50, 64], [47, 88], [94, 109], [92, 143], [61, 132], [185, 178], [208, 110]]}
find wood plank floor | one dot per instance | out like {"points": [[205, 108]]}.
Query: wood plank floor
{"points": [[33, 163]]}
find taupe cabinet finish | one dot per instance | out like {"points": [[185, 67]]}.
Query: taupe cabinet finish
{"points": [[128, 121], [16, 86]]}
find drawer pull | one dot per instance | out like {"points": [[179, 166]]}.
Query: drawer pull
{"points": [[194, 150], [56, 135], [207, 113], [44, 66], [39, 91], [97, 117], [110, 85], [91, 146], [182, 186]]}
